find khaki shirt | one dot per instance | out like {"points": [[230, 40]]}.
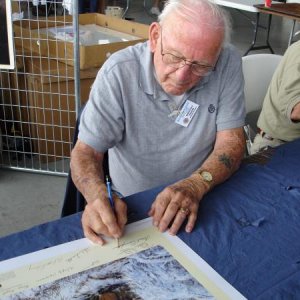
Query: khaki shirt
{"points": [[283, 94]]}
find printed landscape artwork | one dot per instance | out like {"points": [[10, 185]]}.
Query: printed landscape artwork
{"points": [[149, 274], [145, 264]]}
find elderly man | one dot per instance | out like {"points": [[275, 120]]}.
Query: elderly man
{"points": [[169, 111]]}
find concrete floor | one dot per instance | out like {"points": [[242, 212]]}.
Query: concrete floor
{"points": [[28, 199]]}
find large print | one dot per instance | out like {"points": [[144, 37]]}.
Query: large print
{"points": [[149, 274], [144, 264]]}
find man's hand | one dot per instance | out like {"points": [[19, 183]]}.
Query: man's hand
{"points": [[295, 114], [180, 201], [99, 218], [176, 203]]}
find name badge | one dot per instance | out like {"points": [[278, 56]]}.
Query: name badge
{"points": [[187, 113]]}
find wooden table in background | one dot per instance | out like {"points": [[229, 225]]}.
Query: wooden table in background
{"points": [[285, 10], [248, 6]]}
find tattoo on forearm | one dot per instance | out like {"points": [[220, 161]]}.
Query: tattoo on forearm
{"points": [[226, 160]]}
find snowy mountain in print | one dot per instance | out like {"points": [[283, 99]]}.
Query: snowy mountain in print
{"points": [[149, 274]]}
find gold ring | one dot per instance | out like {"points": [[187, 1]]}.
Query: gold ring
{"points": [[184, 210]]}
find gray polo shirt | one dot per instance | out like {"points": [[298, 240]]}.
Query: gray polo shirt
{"points": [[129, 114]]}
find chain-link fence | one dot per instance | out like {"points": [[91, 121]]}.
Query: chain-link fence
{"points": [[57, 57], [38, 97]]}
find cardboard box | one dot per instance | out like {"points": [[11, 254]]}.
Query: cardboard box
{"points": [[13, 101], [51, 105], [19, 99], [6, 111], [37, 42]]}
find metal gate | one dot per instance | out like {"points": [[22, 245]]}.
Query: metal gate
{"points": [[40, 97]]}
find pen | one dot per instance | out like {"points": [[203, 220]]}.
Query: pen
{"points": [[111, 199], [110, 194]]}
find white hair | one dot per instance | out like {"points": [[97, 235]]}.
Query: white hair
{"points": [[196, 11]]}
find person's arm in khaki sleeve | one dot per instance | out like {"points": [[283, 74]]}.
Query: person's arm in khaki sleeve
{"points": [[295, 114], [181, 199], [98, 216]]}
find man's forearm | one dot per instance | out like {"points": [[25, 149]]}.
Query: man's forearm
{"points": [[225, 158], [87, 171]]}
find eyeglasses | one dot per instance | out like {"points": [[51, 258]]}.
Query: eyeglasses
{"points": [[178, 62]]}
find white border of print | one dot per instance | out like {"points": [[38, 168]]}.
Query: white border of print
{"points": [[195, 259]]}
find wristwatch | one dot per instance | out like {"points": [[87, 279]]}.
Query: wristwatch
{"points": [[206, 176]]}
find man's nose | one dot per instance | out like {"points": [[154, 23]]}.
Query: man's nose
{"points": [[183, 73]]}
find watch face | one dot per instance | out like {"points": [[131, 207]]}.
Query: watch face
{"points": [[206, 176]]}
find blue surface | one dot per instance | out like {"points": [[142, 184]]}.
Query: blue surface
{"points": [[248, 228]]}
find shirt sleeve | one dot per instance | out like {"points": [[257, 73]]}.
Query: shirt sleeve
{"points": [[289, 90], [231, 111], [102, 120]]}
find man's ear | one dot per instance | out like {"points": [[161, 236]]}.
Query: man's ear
{"points": [[154, 34]]}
